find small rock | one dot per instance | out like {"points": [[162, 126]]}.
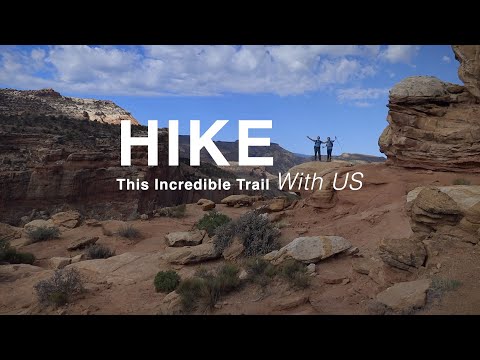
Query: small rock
{"points": [[32, 225], [290, 303], [274, 217], [62, 312], [362, 265], [191, 254], [78, 258], [243, 274], [276, 205], [234, 250], [311, 268], [59, 262], [345, 281], [82, 243], [206, 204], [144, 217], [68, 219], [439, 266], [435, 253], [92, 223], [331, 277], [352, 251], [302, 231]]}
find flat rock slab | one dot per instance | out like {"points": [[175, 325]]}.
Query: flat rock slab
{"points": [[310, 249], [191, 254], [405, 296], [82, 243], [185, 238]]}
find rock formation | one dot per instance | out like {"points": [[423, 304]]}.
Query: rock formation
{"points": [[433, 124], [50, 103]]}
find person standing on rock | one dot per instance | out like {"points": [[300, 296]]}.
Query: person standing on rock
{"points": [[329, 145], [316, 147]]}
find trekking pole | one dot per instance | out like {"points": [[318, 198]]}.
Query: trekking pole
{"points": [[338, 142]]}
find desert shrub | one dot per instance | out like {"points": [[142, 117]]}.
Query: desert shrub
{"points": [[260, 271], [173, 211], [296, 273], [11, 256], [461, 181], [98, 251], [166, 281], [204, 290], [60, 288], [128, 232], [43, 233], [440, 285], [211, 221], [257, 234]]}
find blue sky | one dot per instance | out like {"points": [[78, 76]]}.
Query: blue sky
{"points": [[305, 90]]}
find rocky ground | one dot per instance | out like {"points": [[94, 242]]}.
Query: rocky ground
{"points": [[380, 278]]}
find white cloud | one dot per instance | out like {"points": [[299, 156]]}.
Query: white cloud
{"points": [[357, 94], [400, 53], [446, 59], [190, 70]]}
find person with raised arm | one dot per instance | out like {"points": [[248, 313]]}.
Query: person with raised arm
{"points": [[316, 147]]}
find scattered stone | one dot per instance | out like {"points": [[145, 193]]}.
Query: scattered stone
{"points": [[206, 204], [310, 249], [363, 265], [144, 217], [274, 217], [234, 250], [239, 200], [68, 219], [82, 243], [92, 223], [290, 303], [331, 278], [405, 296], [185, 238], [243, 274], [171, 304], [191, 254], [59, 262], [277, 205], [404, 254], [301, 231], [78, 258], [311, 268]]}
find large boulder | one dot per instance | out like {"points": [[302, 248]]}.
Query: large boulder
{"points": [[433, 208], [405, 254], [434, 124], [469, 70], [32, 225], [185, 238], [68, 219], [239, 200], [191, 254], [405, 296], [310, 249]]}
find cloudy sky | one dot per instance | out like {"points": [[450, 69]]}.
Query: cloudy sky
{"points": [[321, 90]]}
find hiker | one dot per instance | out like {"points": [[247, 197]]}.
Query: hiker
{"points": [[316, 147], [329, 145]]}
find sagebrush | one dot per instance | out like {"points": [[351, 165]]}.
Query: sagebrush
{"points": [[60, 288], [257, 234], [11, 256], [128, 232], [211, 221], [98, 251], [43, 233], [166, 281]]}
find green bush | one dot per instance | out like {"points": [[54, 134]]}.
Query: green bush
{"points": [[11, 256], [99, 251], [43, 233], [204, 290], [173, 211], [296, 273], [260, 271], [60, 288], [128, 232], [257, 234], [461, 181], [166, 281], [441, 285], [211, 221]]}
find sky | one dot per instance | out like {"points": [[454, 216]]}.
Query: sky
{"points": [[314, 90]]}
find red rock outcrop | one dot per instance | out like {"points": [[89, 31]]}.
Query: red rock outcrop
{"points": [[433, 124]]}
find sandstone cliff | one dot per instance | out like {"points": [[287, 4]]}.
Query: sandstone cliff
{"points": [[433, 124], [51, 103]]}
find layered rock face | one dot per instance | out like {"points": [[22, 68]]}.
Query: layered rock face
{"points": [[433, 124], [51, 103]]}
